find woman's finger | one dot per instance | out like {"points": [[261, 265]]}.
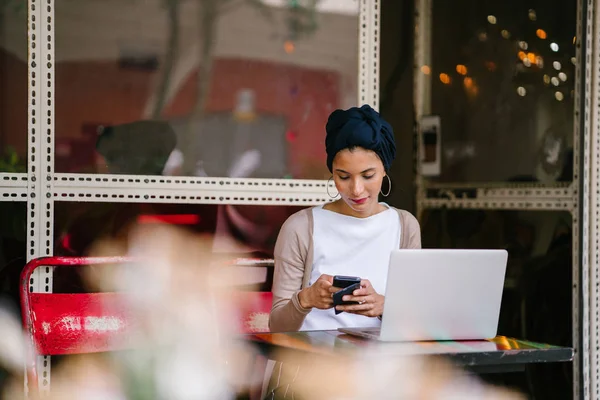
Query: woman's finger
{"points": [[363, 292], [355, 307], [358, 299]]}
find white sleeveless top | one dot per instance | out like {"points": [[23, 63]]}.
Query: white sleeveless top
{"points": [[345, 245]]}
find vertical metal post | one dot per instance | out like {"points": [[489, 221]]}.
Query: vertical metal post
{"points": [[368, 52]]}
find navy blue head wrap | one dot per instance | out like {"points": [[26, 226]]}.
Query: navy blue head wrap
{"points": [[361, 127]]}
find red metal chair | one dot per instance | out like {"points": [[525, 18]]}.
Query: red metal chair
{"points": [[80, 323], [74, 323], [255, 308]]}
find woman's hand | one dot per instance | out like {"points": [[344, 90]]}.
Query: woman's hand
{"points": [[318, 294], [370, 302]]}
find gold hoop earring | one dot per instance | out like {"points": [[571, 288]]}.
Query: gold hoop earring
{"points": [[338, 193], [389, 187]]}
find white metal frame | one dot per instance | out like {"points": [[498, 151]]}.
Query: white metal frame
{"points": [[368, 52], [579, 212], [581, 197], [13, 187], [589, 179], [40, 187]]}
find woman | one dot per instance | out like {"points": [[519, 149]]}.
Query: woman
{"points": [[353, 235]]}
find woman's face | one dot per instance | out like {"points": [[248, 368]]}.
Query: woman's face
{"points": [[358, 174]]}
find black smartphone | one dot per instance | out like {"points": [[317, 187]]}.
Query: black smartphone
{"points": [[341, 281], [337, 296]]}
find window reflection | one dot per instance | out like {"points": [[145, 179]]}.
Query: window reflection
{"points": [[504, 90], [236, 229], [13, 86], [244, 86], [12, 249], [241, 237], [536, 302]]}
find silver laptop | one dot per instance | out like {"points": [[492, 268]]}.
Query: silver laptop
{"points": [[440, 295]]}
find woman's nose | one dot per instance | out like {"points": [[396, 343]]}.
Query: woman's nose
{"points": [[357, 187]]}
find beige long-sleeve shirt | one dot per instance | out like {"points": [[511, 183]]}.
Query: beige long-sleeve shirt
{"points": [[294, 261]]}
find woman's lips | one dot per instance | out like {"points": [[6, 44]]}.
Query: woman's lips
{"points": [[359, 201]]}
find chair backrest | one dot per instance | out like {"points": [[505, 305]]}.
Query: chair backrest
{"points": [[254, 309], [78, 323]]}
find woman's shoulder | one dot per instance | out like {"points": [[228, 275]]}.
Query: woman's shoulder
{"points": [[406, 217], [411, 230], [299, 221], [297, 228]]}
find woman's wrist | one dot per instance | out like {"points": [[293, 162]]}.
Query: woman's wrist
{"points": [[302, 298]]}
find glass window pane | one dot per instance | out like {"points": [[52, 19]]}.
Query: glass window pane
{"points": [[243, 237], [242, 229], [243, 88], [13, 86], [536, 302], [502, 81], [12, 249]]}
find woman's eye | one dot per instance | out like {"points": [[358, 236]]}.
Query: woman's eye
{"points": [[343, 178], [368, 176]]}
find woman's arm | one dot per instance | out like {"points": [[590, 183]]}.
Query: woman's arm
{"points": [[291, 251], [413, 230]]}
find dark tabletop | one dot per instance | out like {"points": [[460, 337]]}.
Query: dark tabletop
{"points": [[500, 351]]}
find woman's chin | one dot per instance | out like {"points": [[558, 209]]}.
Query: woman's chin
{"points": [[361, 208]]}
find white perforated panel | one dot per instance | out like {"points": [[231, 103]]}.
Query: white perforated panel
{"points": [[421, 86], [576, 285], [368, 47], [13, 187], [592, 175], [587, 97], [47, 145], [422, 57], [142, 195], [40, 33], [499, 204], [500, 196], [13, 194], [11, 180], [36, 126], [188, 183]]}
